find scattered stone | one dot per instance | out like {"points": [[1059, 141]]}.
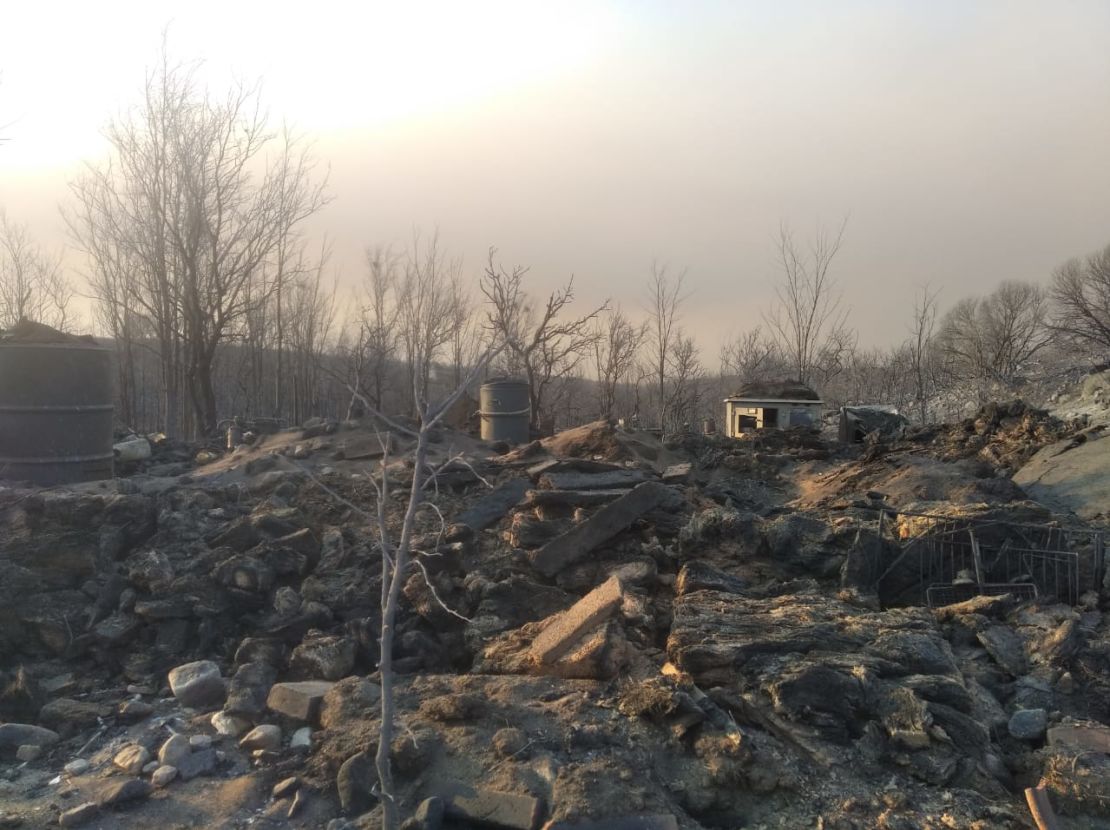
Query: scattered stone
{"points": [[149, 767], [246, 694], [355, 781], [76, 767], [506, 810], [265, 737], [121, 792], [197, 684], [200, 741], [28, 752], [606, 523], [229, 726], [430, 813], [162, 776], [131, 759], [286, 787], [175, 750], [299, 800], [324, 656], [298, 700], [76, 816], [302, 738], [201, 762], [133, 711], [64, 713], [1028, 724]]}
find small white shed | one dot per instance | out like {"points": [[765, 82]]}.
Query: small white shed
{"points": [[763, 405]]}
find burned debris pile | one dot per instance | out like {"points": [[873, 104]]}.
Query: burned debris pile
{"points": [[601, 630]]}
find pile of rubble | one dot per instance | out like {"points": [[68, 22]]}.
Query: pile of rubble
{"points": [[604, 631]]}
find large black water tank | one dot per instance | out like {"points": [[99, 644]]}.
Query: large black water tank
{"points": [[55, 411]]}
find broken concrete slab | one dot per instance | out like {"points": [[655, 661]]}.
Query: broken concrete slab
{"points": [[298, 700], [1080, 737], [573, 498], [490, 807], [607, 480], [564, 632], [599, 528], [492, 507], [1006, 647], [677, 472]]}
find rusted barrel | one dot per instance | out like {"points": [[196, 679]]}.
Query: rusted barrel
{"points": [[55, 411], [505, 410]]}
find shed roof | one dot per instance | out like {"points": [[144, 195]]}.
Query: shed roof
{"points": [[790, 390]]}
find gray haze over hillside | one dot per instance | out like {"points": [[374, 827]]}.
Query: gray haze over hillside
{"points": [[967, 142]]}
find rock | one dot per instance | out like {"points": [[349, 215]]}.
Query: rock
{"points": [[133, 711], [246, 694], [267, 737], [287, 602], [197, 684], [299, 800], [229, 726], [174, 751], [355, 780], [200, 742], [564, 631], [76, 767], [261, 650], [64, 713], [602, 526], [121, 792], [28, 752], [245, 573], [493, 506], [149, 767], [286, 787], [151, 572], [162, 776], [324, 656], [430, 813], [302, 738], [698, 576], [506, 810], [131, 759], [76, 816], [300, 700], [201, 762], [1028, 724], [1080, 737], [1006, 647], [509, 741]]}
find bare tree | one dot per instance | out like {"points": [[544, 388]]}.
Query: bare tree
{"points": [[682, 389], [808, 319], [751, 355], [378, 325], [991, 338], [545, 345], [198, 196], [665, 295], [1081, 293], [615, 349], [920, 350], [32, 285], [425, 318]]}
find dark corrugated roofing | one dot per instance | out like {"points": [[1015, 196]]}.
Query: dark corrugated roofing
{"points": [[790, 390]]}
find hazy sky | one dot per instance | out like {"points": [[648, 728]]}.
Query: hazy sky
{"points": [[969, 142]]}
